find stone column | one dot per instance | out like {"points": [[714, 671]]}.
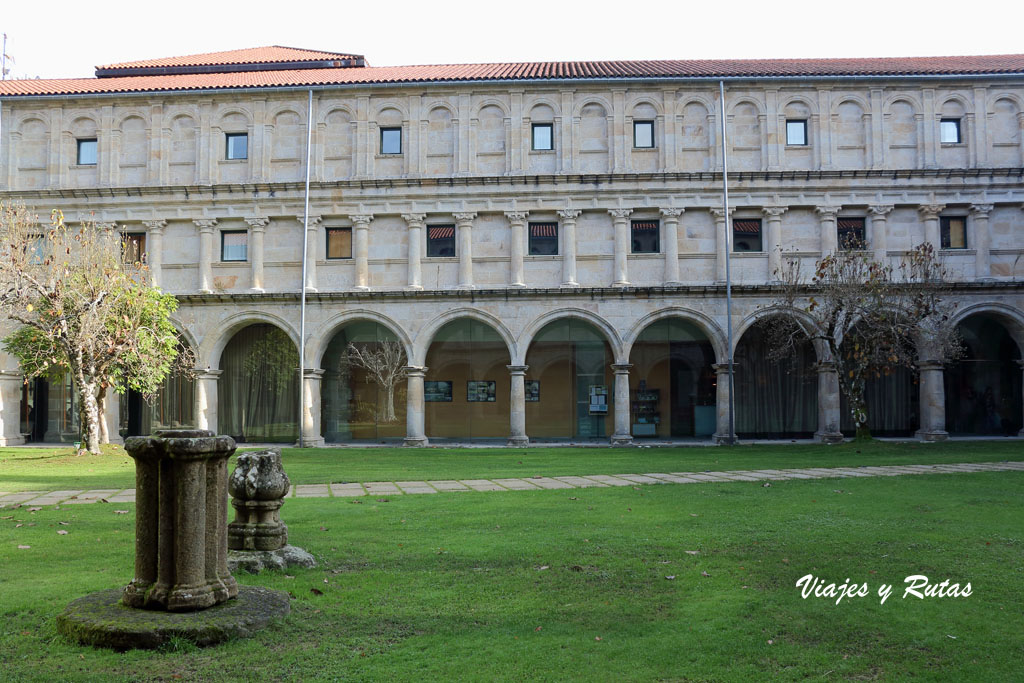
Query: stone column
{"points": [[622, 435], [722, 435], [773, 225], [112, 416], [311, 408], [621, 221], [361, 249], [879, 231], [829, 418], [930, 216], [517, 243], [829, 235], [415, 431], [722, 241], [414, 221], [206, 399], [1021, 364], [205, 226], [257, 227], [932, 402], [10, 409], [568, 229], [464, 227], [517, 415], [155, 249], [982, 241], [312, 232], [671, 217]]}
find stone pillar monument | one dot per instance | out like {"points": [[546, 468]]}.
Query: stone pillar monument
{"points": [[180, 525]]}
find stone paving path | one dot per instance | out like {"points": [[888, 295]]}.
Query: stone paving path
{"points": [[397, 488]]}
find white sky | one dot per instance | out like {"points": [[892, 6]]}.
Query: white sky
{"points": [[61, 38]]}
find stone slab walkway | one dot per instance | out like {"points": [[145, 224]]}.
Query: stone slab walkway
{"points": [[399, 488]]}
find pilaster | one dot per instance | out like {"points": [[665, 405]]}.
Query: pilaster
{"points": [[567, 229], [620, 218], [312, 248], [517, 240], [930, 215], [205, 227], [414, 222], [982, 241], [361, 249], [671, 219], [257, 228], [155, 249], [464, 229], [773, 225], [879, 230], [829, 236]]}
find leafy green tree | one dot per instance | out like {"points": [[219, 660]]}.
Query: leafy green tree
{"points": [[83, 308]]}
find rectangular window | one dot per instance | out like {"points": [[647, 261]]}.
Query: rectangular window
{"points": [[644, 237], [643, 134], [133, 247], [339, 243], [86, 152], [390, 140], [234, 245], [543, 136], [796, 131], [850, 233], [441, 240], [949, 131], [543, 239], [237, 145], [746, 234], [954, 232]]}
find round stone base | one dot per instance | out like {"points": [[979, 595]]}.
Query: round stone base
{"points": [[255, 561], [100, 619]]}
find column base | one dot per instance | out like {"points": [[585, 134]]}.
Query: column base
{"points": [[206, 291], [12, 440], [937, 435], [621, 283], [361, 288], [518, 441], [517, 285], [621, 440], [312, 442], [311, 290], [673, 283], [828, 437], [569, 285], [415, 442], [257, 290], [465, 287], [724, 439], [414, 288]]}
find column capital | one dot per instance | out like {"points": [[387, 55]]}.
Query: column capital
{"points": [[929, 365], [930, 210], [827, 213], [722, 368], [208, 374], [672, 212], [205, 224], [880, 209], [314, 221], [621, 368], [774, 212], [620, 214], [719, 213], [415, 370], [257, 223], [361, 219], [464, 218], [569, 214], [982, 210], [313, 373], [155, 225], [517, 369], [414, 220], [825, 366], [517, 216]]}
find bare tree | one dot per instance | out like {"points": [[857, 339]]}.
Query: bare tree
{"points": [[869, 318], [382, 361]]}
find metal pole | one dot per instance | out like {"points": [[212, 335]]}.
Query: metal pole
{"points": [[731, 437], [302, 285]]}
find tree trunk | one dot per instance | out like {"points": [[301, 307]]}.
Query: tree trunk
{"points": [[389, 405], [90, 417], [104, 429]]}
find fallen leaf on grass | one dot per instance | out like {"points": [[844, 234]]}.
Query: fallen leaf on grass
{"points": [[671, 578], [542, 567], [326, 581], [8, 517], [576, 568], [770, 642], [62, 532], [24, 547], [538, 628], [598, 638], [383, 500], [949, 636], [323, 528], [693, 515], [316, 591], [120, 512], [356, 501], [765, 485], [692, 552], [785, 561], [704, 573], [34, 509], [288, 576], [17, 525], [573, 498], [103, 500], [62, 523]]}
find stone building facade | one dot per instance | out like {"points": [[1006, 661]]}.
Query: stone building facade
{"points": [[545, 242]]}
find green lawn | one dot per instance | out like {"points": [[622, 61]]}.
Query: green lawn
{"points": [[32, 469], [553, 585]]}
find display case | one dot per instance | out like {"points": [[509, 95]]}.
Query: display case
{"points": [[644, 409]]}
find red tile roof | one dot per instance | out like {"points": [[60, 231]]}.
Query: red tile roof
{"points": [[252, 55], [675, 69]]}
